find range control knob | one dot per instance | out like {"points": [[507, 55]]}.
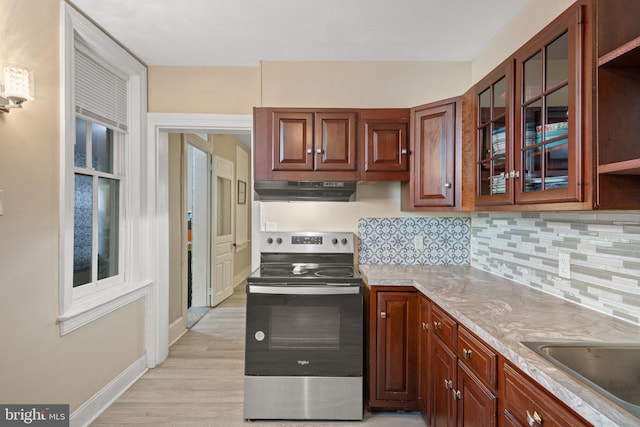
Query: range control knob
{"points": [[334, 241], [269, 240], [344, 241], [279, 240]]}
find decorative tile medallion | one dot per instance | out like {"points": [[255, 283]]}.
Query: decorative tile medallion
{"points": [[393, 241]]}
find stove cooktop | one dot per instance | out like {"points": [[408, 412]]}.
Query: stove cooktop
{"points": [[305, 271]]}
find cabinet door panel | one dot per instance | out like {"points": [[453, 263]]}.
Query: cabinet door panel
{"points": [[335, 146], [397, 345], [434, 150], [292, 139], [443, 380], [424, 356], [477, 406], [386, 147], [548, 143]]}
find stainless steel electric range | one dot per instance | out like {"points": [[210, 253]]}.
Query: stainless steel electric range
{"points": [[304, 329]]}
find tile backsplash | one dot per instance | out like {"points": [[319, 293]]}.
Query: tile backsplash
{"points": [[604, 251], [393, 241]]}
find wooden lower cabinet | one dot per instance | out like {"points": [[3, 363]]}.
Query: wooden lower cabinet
{"points": [[424, 356], [476, 404], [458, 397], [525, 403], [443, 379], [420, 358], [393, 349]]}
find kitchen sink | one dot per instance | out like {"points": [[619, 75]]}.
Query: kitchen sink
{"points": [[613, 370]]}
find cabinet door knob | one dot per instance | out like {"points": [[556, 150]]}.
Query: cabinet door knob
{"points": [[309, 151], [425, 326], [437, 325], [448, 384], [319, 151], [534, 420], [404, 151], [456, 394], [466, 353], [383, 314], [447, 185]]}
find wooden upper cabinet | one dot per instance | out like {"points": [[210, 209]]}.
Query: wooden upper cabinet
{"points": [[549, 144], [384, 145], [335, 141], [494, 160], [292, 141], [534, 120], [305, 144], [618, 98], [435, 148]]}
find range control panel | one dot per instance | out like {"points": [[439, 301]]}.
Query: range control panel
{"points": [[307, 242]]}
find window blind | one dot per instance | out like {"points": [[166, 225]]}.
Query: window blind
{"points": [[100, 93]]}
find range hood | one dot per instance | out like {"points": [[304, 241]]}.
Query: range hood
{"points": [[308, 191]]}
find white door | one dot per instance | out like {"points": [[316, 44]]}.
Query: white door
{"points": [[223, 224], [198, 205]]}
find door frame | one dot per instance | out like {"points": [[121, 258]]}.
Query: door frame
{"points": [[159, 125]]}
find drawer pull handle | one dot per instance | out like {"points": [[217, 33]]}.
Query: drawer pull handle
{"points": [[448, 384], [383, 314], [456, 394], [467, 353], [534, 420], [437, 325]]}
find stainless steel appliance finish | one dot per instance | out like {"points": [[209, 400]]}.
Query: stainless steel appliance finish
{"points": [[305, 191], [612, 370], [303, 398], [304, 329]]}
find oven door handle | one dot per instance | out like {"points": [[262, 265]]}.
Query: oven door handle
{"points": [[304, 290]]}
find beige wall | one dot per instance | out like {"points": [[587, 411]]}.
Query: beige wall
{"points": [[534, 17], [37, 364], [361, 84], [220, 90], [177, 304]]}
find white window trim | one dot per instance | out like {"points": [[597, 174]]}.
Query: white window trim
{"points": [[138, 267]]}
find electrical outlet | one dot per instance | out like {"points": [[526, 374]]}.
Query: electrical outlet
{"points": [[418, 243], [564, 265]]}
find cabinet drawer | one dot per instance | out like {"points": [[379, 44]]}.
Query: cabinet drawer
{"points": [[482, 360], [444, 326], [529, 404]]}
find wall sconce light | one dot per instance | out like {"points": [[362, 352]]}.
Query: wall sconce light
{"points": [[16, 87]]}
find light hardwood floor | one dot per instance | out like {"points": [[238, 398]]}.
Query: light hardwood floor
{"points": [[200, 383]]}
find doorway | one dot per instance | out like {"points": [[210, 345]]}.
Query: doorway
{"points": [[167, 313]]}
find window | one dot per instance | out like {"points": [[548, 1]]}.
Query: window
{"points": [[103, 104], [97, 214]]}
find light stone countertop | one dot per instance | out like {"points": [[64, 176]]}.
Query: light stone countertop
{"points": [[504, 313]]}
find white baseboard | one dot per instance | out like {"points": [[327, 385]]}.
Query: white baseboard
{"points": [[92, 408]]}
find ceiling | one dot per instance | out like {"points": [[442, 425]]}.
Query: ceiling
{"points": [[245, 32]]}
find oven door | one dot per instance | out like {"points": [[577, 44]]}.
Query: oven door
{"points": [[304, 330]]}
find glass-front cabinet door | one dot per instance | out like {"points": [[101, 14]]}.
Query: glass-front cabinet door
{"points": [[547, 143], [494, 136]]}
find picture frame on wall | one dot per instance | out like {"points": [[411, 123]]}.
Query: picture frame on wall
{"points": [[242, 192]]}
